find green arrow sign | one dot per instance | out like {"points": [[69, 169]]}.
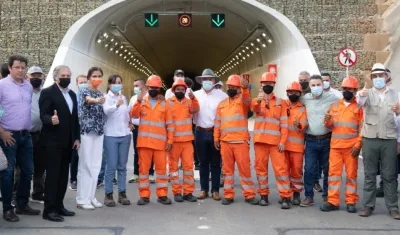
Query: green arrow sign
{"points": [[218, 20], [151, 20]]}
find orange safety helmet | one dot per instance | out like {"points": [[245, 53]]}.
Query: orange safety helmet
{"points": [[350, 82], [294, 86], [154, 81], [268, 77], [234, 80], [178, 82]]}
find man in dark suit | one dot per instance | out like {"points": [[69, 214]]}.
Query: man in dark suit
{"points": [[60, 135]]}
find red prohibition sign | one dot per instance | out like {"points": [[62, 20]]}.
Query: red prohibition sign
{"points": [[185, 20], [347, 57]]}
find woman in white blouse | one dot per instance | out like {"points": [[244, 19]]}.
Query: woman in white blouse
{"points": [[117, 140]]}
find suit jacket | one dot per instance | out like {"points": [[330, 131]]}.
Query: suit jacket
{"points": [[67, 131]]}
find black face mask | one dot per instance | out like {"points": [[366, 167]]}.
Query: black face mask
{"points": [[304, 85], [153, 93], [294, 98], [36, 82], [268, 89], [64, 82], [347, 95], [179, 95], [232, 92]]}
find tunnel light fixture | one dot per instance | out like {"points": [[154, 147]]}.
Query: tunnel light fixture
{"points": [[247, 48], [248, 55], [264, 45], [122, 47], [99, 41], [252, 52], [244, 58], [258, 40], [240, 53], [124, 57], [270, 40], [112, 39], [264, 35], [111, 49], [243, 51], [252, 44], [116, 51], [106, 45], [116, 43], [257, 48], [120, 54]]}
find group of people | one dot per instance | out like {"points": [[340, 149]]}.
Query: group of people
{"points": [[317, 126]]}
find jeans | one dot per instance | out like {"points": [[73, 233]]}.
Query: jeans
{"points": [[117, 152], [136, 156], [74, 166], [21, 152], [316, 150], [209, 156]]}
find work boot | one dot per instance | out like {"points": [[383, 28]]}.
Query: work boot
{"points": [[252, 201], [395, 214], [351, 208], [143, 201], [264, 201], [296, 199], [123, 199], [327, 206], [178, 198], [308, 201], [227, 201], [286, 203], [10, 216], [190, 198], [26, 210], [317, 187], [109, 200], [203, 195], [366, 212], [164, 200], [325, 198], [379, 190]]}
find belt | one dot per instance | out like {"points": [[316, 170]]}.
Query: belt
{"points": [[205, 129], [35, 132], [22, 132], [319, 137]]}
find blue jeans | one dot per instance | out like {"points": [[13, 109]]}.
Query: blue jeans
{"points": [[208, 156], [317, 150], [21, 152], [117, 151]]}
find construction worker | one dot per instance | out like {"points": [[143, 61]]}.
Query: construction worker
{"points": [[297, 124], [345, 118], [182, 109], [231, 135], [155, 138], [270, 136]]}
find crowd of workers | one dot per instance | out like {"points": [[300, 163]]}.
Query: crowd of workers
{"points": [[52, 133]]}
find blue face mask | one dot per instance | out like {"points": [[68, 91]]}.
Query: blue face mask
{"points": [[136, 90], [379, 82], [316, 90], [116, 88], [208, 85], [83, 85]]}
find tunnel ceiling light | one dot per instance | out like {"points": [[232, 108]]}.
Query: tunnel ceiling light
{"points": [[270, 40], [258, 40], [99, 41], [247, 48], [248, 55], [264, 45], [116, 43], [257, 48], [112, 39], [252, 44], [264, 35], [106, 45], [243, 51]]}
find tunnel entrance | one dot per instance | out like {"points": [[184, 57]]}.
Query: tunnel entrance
{"points": [[138, 38]]}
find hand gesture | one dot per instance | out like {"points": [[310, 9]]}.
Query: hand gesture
{"points": [[191, 95], [363, 92], [244, 82], [260, 96], [395, 108], [101, 100], [217, 145], [281, 147], [54, 118], [355, 152], [120, 101], [328, 117], [141, 95], [296, 122], [7, 138], [168, 147]]}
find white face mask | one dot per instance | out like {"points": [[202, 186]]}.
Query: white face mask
{"points": [[327, 84], [136, 90]]}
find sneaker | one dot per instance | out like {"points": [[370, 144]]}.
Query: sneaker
{"points": [[85, 206], [99, 183], [96, 203], [37, 198], [134, 179], [152, 179], [73, 186]]}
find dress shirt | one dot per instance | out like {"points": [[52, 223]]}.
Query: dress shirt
{"points": [[117, 122], [67, 98], [208, 107]]}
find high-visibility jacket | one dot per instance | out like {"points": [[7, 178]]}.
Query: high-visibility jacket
{"points": [[182, 117], [295, 141], [156, 128], [231, 120], [271, 124], [346, 124]]}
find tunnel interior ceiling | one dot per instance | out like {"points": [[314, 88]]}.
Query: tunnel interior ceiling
{"points": [[168, 46]]}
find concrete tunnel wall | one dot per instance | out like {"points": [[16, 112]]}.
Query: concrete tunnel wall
{"points": [[289, 49]]}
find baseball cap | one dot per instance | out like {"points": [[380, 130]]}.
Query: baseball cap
{"points": [[179, 71], [34, 69]]}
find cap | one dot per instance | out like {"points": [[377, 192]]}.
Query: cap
{"points": [[179, 71], [34, 69]]}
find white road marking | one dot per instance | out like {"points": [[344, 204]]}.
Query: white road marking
{"points": [[203, 227]]}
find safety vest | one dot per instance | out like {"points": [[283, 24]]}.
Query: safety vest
{"points": [[295, 140], [153, 132], [346, 123], [270, 126], [182, 117]]}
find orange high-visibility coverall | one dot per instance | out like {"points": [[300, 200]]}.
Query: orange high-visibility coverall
{"points": [[182, 144], [231, 129], [270, 130], [156, 129], [294, 150], [346, 123]]}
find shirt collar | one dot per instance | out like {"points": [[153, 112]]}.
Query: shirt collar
{"points": [[66, 90], [386, 90]]}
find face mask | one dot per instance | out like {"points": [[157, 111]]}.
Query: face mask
{"points": [[96, 82], [268, 89], [116, 88], [232, 92], [347, 95], [207, 85], [327, 85], [83, 85], [179, 95], [379, 82], [304, 85], [316, 90], [64, 82], [153, 93], [36, 82], [294, 98], [136, 90]]}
